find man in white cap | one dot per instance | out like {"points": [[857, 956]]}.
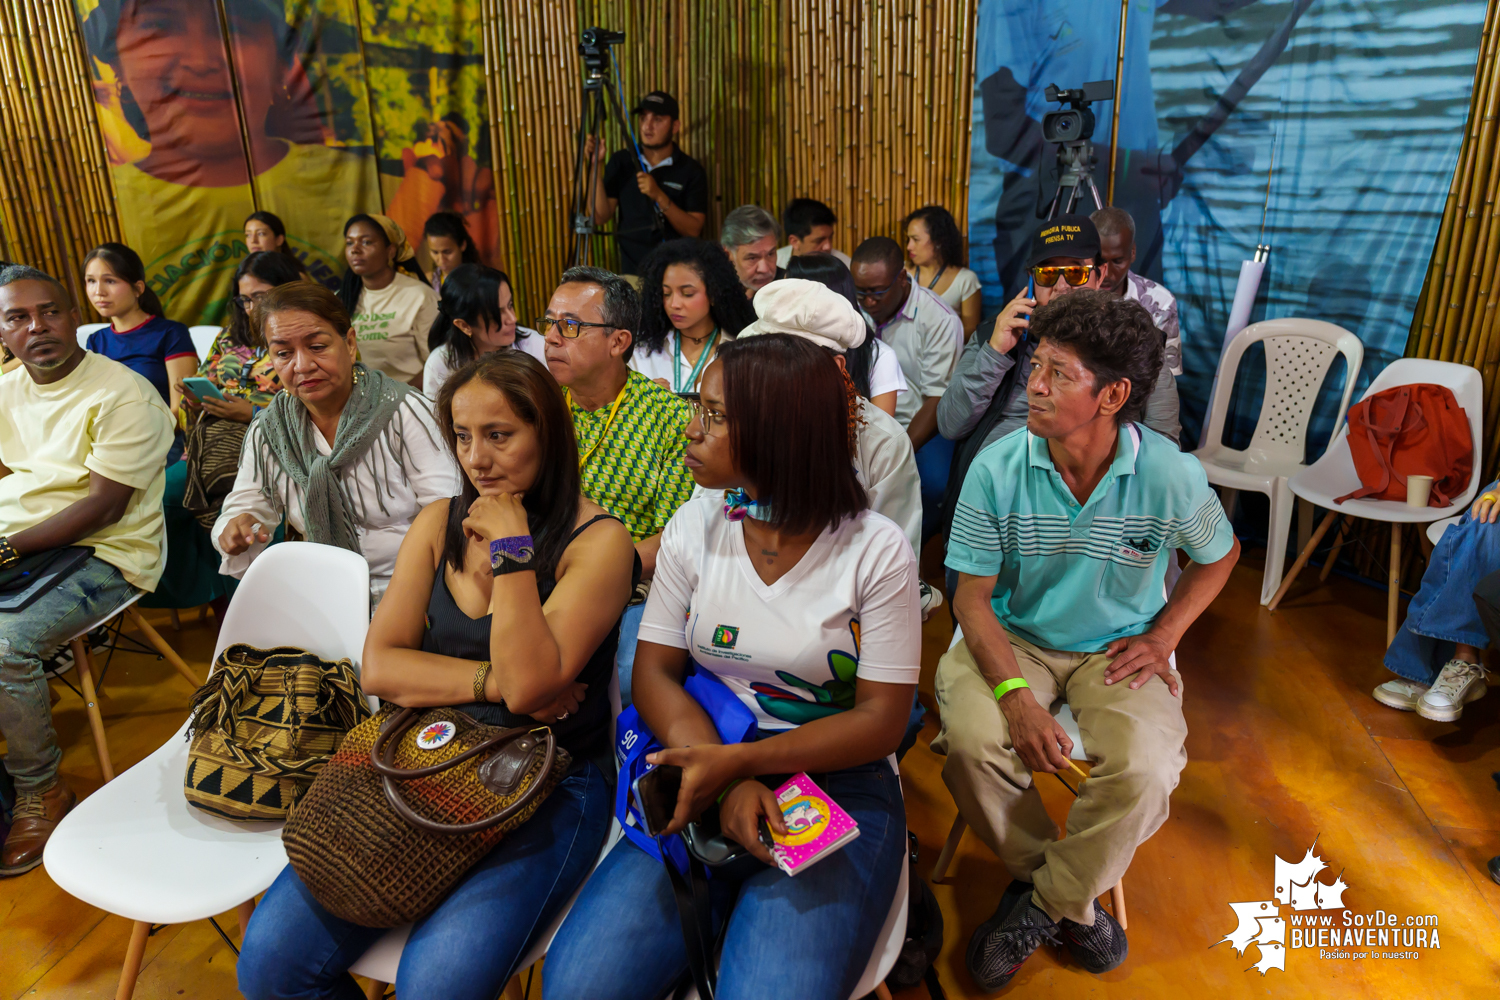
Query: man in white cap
{"points": [[883, 459]]}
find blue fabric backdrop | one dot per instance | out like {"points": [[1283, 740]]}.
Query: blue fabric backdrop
{"points": [[1362, 101]]}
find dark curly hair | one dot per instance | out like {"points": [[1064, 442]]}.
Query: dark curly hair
{"points": [[730, 310], [943, 232], [1113, 337]]}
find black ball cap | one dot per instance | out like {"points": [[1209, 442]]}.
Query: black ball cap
{"points": [[657, 102], [1065, 236]]}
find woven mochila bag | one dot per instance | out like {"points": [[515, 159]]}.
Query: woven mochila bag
{"points": [[263, 726], [412, 800]]}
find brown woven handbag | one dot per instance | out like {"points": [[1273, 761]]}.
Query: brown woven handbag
{"points": [[411, 801]]}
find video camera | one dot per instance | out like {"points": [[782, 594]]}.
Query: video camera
{"points": [[1076, 123], [594, 44]]}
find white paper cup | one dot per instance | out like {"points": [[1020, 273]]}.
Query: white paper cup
{"points": [[1417, 490]]}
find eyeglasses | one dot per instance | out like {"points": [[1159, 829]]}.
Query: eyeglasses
{"points": [[247, 302], [709, 418], [1075, 276], [570, 329]]}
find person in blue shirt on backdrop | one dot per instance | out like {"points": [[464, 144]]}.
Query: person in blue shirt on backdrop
{"points": [[139, 336], [1061, 539]]}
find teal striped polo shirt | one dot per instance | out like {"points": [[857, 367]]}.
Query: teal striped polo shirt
{"points": [[1075, 577]]}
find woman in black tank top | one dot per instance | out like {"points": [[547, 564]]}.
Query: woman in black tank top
{"points": [[505, 604]]}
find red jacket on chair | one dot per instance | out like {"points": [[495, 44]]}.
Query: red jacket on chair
{"points": [[1409, 430]]}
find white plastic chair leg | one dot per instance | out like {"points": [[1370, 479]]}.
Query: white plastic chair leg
{"points": [[1282, 505], [950, 848]]}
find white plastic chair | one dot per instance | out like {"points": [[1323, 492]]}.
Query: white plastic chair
{"points": [[1436, 528], [203, 339], [1333, 475], [383, 959], [85, 330], [1064, 716], [1298, 355], [135, 847]]}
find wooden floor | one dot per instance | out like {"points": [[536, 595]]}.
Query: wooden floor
{"points": [[1285, 746]]}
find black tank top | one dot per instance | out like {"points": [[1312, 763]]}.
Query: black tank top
{"points": [[450, 632]]}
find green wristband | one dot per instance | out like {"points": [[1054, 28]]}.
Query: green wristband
{"points": [[1006, 687], [727, 789]]}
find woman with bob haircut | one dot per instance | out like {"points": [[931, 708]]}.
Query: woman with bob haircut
{"points": [[476, 315], [346, 455], [819, 596], [691, 302], [512, 589]]}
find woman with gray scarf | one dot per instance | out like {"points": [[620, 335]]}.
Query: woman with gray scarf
{"points": [[347, 456]]}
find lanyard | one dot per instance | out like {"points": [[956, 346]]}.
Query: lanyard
{"points": [[583, 460], [697, 366], [933, 283]]}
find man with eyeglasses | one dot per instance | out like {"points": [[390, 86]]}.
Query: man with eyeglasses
{"points": [[631, 431], [986, 400], [927, 337]]}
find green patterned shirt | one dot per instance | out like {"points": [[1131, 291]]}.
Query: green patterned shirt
{"points": [[636, 473]]}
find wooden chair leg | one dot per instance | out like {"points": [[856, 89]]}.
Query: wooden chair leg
{"points": [[167, 652], [1393, 595], [176, 621], [1117, 897], [1333, 553], [133, 956], [1302, 557], [244, 911], [375, 990], [83, 663], [950, 847]]}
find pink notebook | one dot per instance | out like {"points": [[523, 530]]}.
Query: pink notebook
{"points": [[816, 826]]}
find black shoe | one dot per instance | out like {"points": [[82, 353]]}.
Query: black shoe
{"points": [[1010, 898], [1495, 868], [1007, 939], [1098, 948]]}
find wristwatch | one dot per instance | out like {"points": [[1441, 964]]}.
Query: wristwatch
{"points": [[8, 554]]}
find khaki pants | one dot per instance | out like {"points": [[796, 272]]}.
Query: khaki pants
{"points": [[1135, 739]]}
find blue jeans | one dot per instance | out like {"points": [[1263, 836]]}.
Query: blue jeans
{"points": [[934, 459], [1443, 612], [630, 630], [809, 936], [27, 638], [468, 947]]}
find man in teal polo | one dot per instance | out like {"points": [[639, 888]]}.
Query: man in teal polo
{"points": [[1061, 538]]}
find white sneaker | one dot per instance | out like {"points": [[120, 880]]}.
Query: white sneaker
{"points": [[931, 599], [1458, 684], [1400, 694]]}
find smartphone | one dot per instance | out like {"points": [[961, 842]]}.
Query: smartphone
{"points": [[1031, 287], [203, 388], [656, 794]]}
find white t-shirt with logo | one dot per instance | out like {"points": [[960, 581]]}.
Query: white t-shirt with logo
{"points": [[790, 651]]}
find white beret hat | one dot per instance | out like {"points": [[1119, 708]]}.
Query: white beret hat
{"points": [[807, 309]]}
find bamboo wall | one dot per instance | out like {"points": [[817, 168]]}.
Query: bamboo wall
{"points": [[1456, 315], [863, 105], [56, 201]]}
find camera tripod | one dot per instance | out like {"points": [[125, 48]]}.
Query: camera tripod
{"points": [[601, 102], [1076, 158]]}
